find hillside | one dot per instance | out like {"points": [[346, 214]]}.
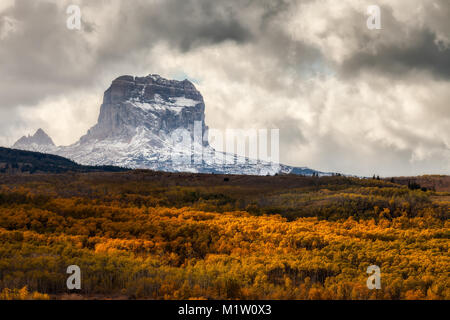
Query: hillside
{"points": [[157, 235], [432, 182], [18, 161]]}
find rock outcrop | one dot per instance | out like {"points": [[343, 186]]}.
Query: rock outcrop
{"points": [[154, 103]]}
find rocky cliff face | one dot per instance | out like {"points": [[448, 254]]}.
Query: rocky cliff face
{"points": [[153, 123], [151, 103]]}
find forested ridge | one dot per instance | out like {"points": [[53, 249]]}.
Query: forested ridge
{"points": [[13, 161], [150, 235]]}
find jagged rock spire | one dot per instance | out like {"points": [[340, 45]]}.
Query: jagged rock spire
{"points": [[39, 139]]}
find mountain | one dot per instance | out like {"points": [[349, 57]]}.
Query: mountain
{"points": [[37, 142], [154, 123], [19, 161]]}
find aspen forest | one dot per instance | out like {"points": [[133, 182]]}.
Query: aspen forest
{"points": [[154, 235]]}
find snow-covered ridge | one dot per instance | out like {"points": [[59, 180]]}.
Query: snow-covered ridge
{"points": [[175, 104]]}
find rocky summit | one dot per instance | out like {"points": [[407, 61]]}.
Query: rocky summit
{"points": [[151, 103], [40, 141], [153, 123]]}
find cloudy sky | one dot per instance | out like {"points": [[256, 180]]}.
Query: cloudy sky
{"points": [[344, 97]]}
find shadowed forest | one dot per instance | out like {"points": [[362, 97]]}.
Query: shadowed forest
{"points": [[153, 235]]}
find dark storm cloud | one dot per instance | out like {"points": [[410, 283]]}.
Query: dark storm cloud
{"points": [[191, 23], [424, 53], [401, 47]]}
